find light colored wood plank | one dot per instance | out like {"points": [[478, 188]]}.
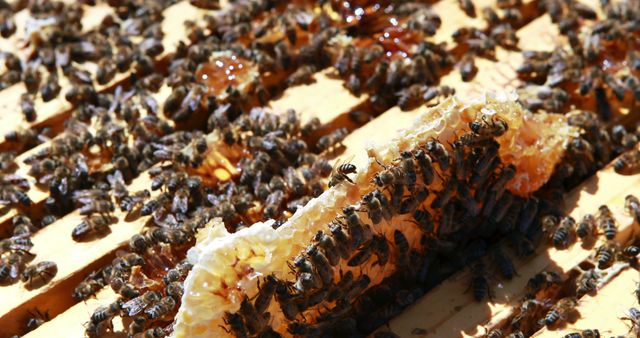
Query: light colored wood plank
{"points": [[320, 99], [76, 315]]}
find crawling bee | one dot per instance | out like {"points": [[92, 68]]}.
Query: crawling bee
{"points": [[36, 319], [236, 325], [331, 140], [89, 286], [161, 308], [587, 227], [106, 313], [92, 225], [633, 315], [138, 304], [495, 127], [39, 274], [543, 280], [632, 206], [97, 206], [584, 334], [587, 282], [266, 290], [504, 263], [389, 176], [563, 233], [480, 282], [341, 174], [606, 222], [561, 311], [628, 163], [468, 7], [605, 255]]}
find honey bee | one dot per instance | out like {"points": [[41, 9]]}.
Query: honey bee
{"points": [[341, 174], [587, 282], [628, 163], [389, 176], [16, 243], [563, 233], [343, 244], [309, 127], [36, 319], [632, 206], [633, 315], [266, 290], [254, 321], [439, 153], [332, 140], [426, 167], [11, 266], [160, 308], [402, 248], [504, 263], [140, 303], [158, 332], [320, 264], [605, 255], [236, 325], [106, 313], [631, 251], [468, 7], [561, 311], [99, 206], [494, 333], [606, 222], [92, 225], [467, 66], [132, 203], [412, 202], [373, 207], [480, 282], [302, 75], [22, 226], [490, 16], [39, 274], [584, 334], [175, 290], [587, 227], [28, 107], [89, 286], [155, 203], [328, 246]]}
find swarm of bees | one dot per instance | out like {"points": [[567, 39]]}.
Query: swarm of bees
{"points": [[441, 189]]}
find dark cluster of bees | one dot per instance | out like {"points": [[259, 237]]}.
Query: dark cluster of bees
{"points": [[114, 136]]}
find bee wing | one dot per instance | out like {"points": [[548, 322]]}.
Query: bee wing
{"points": [[135, 306], [180, 203], [14, 271]]}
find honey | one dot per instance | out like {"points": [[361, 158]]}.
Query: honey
{"points": [[222, 72]]}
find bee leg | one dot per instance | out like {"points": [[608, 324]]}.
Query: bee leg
{"points": [[348, 179]]}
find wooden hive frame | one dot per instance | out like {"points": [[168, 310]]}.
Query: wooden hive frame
{"points": [[309, 102]]}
